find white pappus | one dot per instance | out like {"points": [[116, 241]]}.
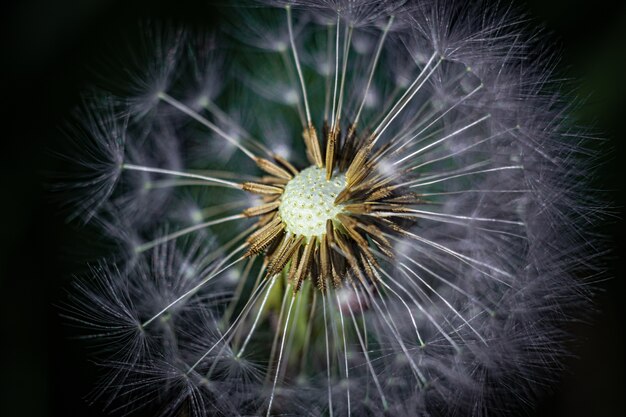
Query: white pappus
{"points": [[333, 208]]}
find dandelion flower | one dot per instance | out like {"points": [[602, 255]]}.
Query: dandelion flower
{"points": [[333, 207]]}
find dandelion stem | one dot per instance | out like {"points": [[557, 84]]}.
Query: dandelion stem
{"points": [[171, 183], [413, 89], [418, 374], [448, 283], [346, 53], [345, 353], [294, 50], [286, 58], [431, 161], [230, 184], [202, 120], [416, 183], [283, 306], [463, 258], [417, 333], [226, 246], [366, 354], [522, 190], [446, 302], [420, 306], [336, 75], [236, 296], [432, 216], [235, 325], [224, 117], [329, 53], [437, 142], [309, 331], [196, 288], [379, 49], [438, 118], [175, 235], [280, 352], [330, 396], [256, 319]]}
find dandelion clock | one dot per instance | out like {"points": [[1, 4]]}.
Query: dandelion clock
{"points": [[330, 208]]}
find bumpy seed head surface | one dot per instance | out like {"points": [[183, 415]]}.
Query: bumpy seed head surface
{"points": [[308, 201]]}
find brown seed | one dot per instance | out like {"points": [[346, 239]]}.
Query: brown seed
{"points": [[409, 198], [272, 169], [358, 162], [280, 260], [343, 196], [305, 264], [346, 153], [262, 209], [256, 188], [313, 145], [262, 240], [285, 163], [349, 224], [271, 180], [358, 208], [293, 268], [324, 259], [360, 174], [345, 250], [331, 144], [265, 223], [367, 267], [381, 193]]}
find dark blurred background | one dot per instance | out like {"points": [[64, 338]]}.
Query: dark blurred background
{"points": [[45, 48]]}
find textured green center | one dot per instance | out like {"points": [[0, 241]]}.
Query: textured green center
{"points": [[309, 201]]}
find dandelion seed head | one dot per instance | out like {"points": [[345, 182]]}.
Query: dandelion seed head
{"points": [[309, 202], [385, 204]]}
